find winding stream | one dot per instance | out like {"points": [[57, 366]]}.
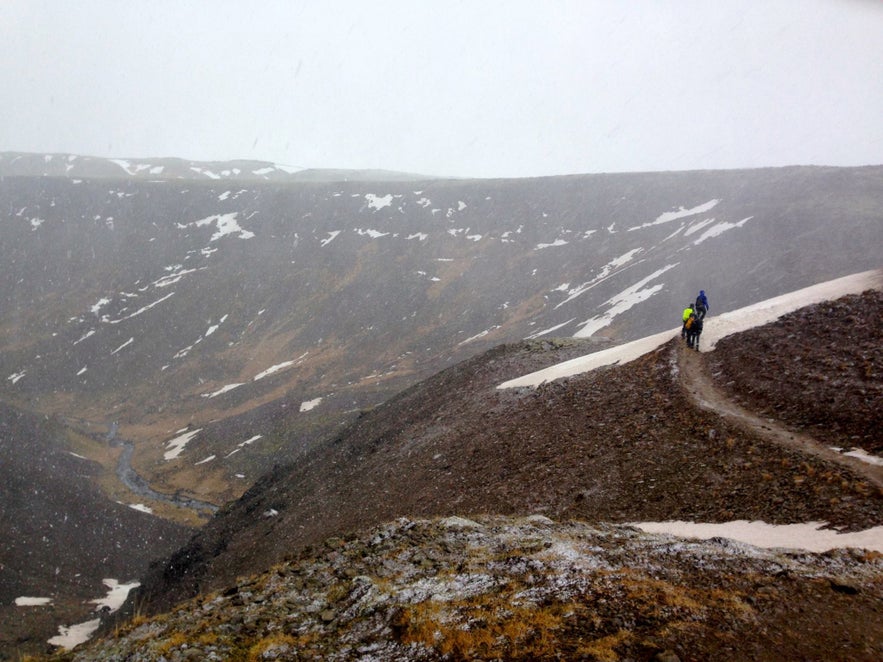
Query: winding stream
{"points": [[132, 480], [137, 485]]}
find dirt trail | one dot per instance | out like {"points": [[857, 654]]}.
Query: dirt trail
{"points": [[702, 390]]}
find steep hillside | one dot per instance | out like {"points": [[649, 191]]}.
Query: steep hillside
{"points": [[223, 311], [619, 444]]}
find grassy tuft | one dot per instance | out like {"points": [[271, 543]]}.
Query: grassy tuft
{"points": [[277, 642]]}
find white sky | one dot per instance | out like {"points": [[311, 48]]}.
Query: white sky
{"points": [[463, 88]]}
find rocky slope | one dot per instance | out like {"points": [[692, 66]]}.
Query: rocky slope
{"points": [[830, 355], [525, 589]]}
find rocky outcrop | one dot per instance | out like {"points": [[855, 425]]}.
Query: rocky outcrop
{"points": [[525, 589]]}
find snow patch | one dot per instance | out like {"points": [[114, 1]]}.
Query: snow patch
{"points": [[137, 312], [69, 637], [670, 216], [25, 601], [557, 242], [173, 278], [550, 329], [719, 229], [176, 445], [243, 444], [226, 224], [310, 404], [222, 390], [207, 173], [128, 167], [376, 202], [273, 369], [862, 455], [478, 335], [374, 234], [124, 345], [214, 327], [99, 305], [809, 536], [606, 271], [695, 227], [331, 237]]}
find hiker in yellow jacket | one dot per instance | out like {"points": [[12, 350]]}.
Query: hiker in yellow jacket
{"points": [[687, 312]]}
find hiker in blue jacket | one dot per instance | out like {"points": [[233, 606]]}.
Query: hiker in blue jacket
{"points": [[701, 304]]}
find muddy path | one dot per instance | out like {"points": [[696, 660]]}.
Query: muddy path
{"points": [[700, 386]]}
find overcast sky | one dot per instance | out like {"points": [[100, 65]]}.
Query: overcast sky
{"points": [[474, 88]]}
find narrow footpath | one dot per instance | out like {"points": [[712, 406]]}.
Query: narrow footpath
{"points": [[702, 390]]}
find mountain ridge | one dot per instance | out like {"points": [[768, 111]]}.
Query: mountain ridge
{"points": [[75, 166]]}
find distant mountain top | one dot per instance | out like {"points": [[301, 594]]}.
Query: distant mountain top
{"points": [[24, 164]]}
